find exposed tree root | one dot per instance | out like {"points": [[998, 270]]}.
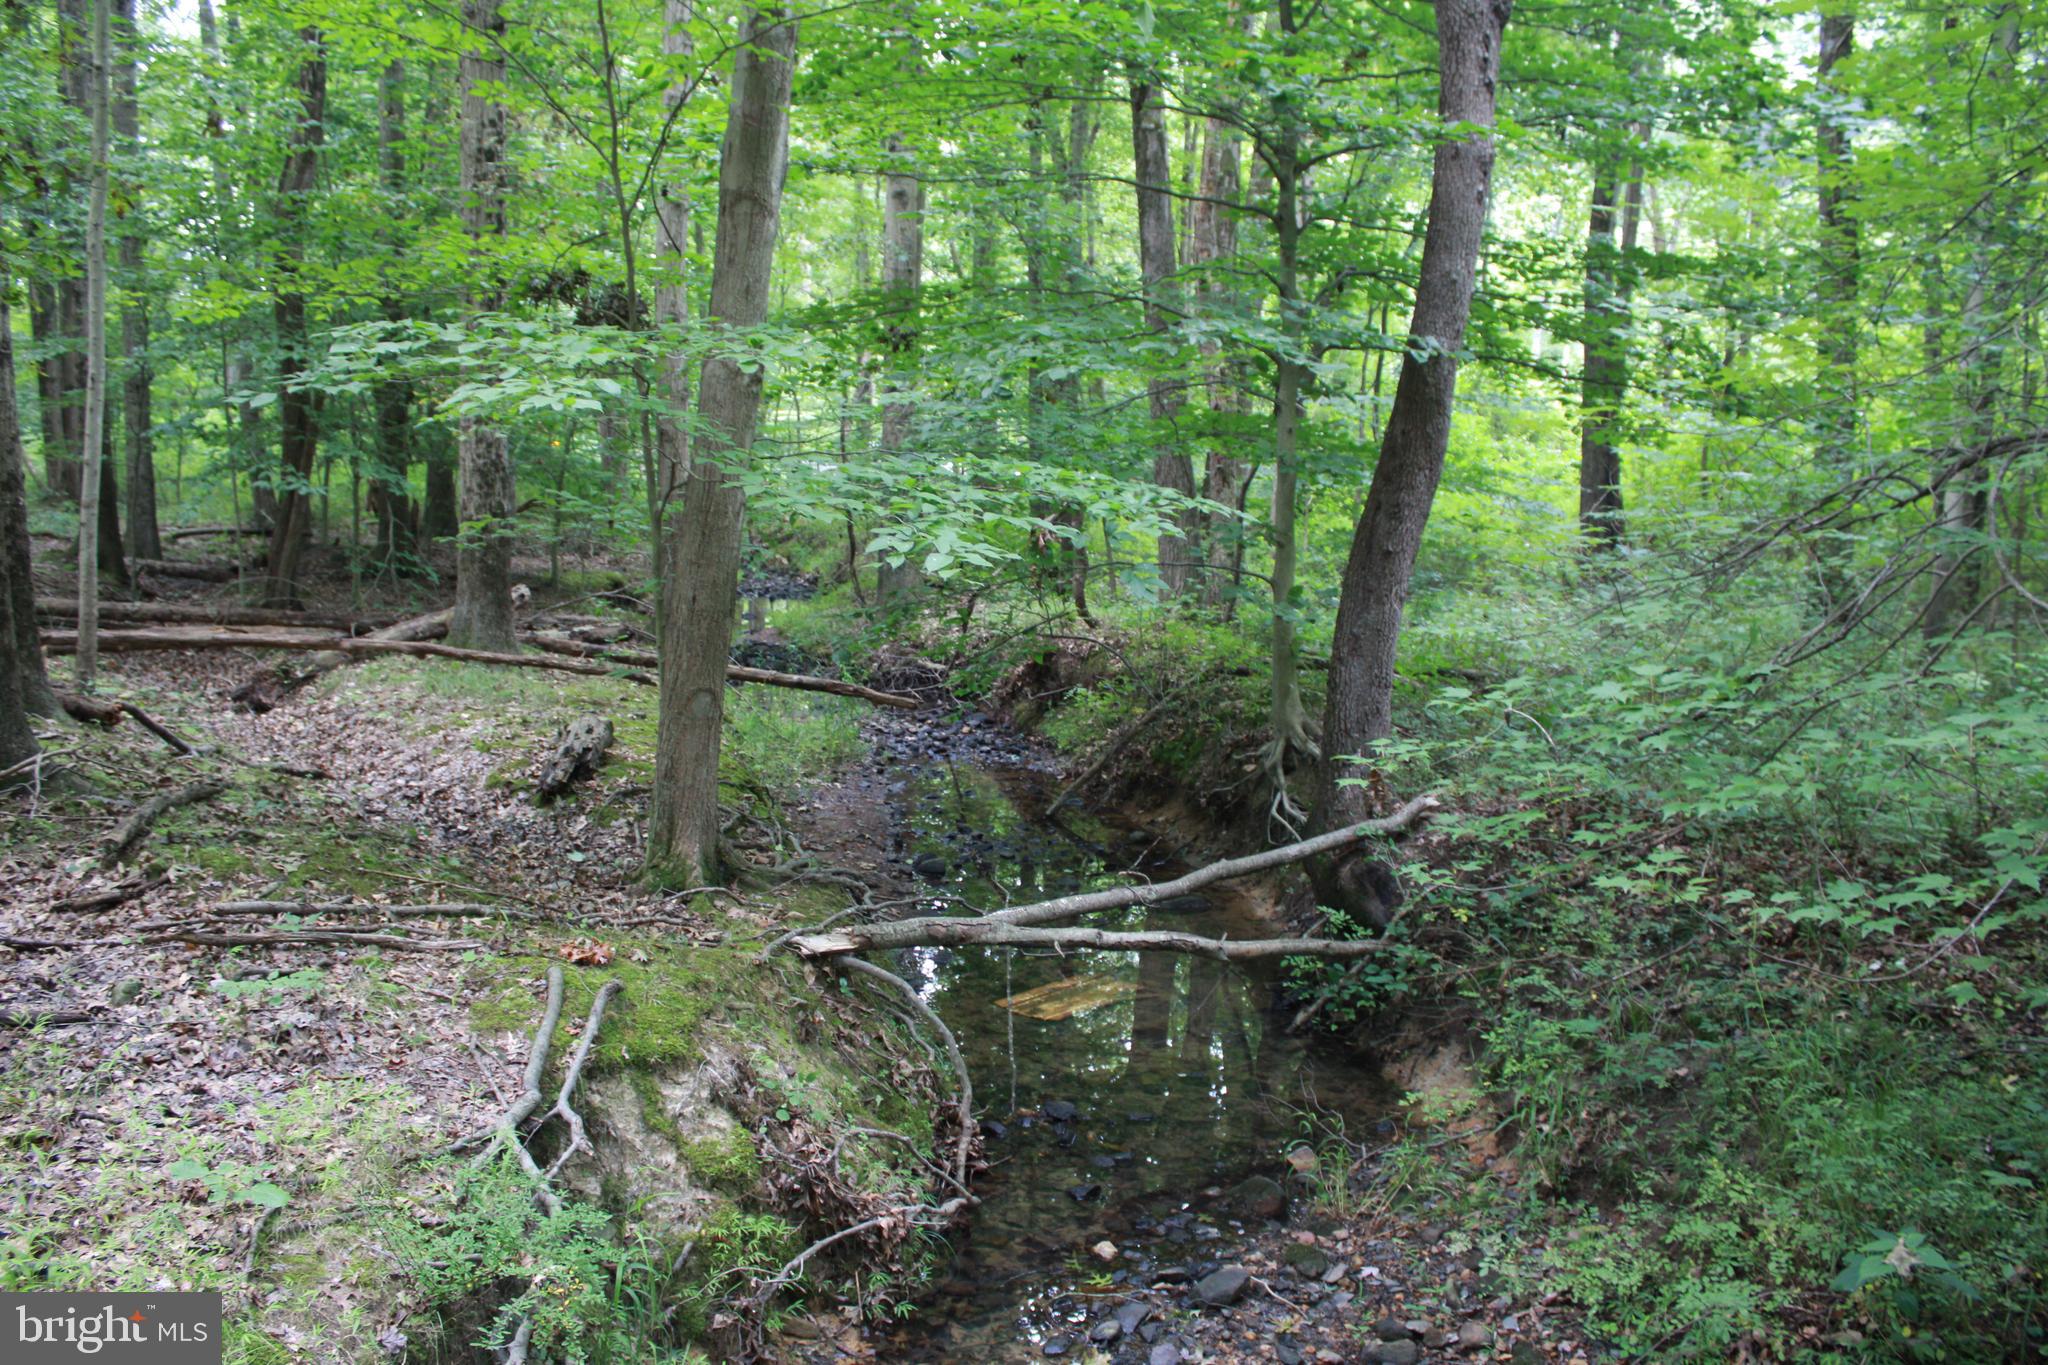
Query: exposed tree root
{"points": [[566, 1111]]}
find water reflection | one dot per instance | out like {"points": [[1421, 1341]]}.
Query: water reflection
{"points": [[1177, 1078]]}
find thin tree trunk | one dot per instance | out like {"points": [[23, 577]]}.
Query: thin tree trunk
{"points": [[902, 275], [1359, 712], [483, 553], [1605, 376], [390, 498], [1212, 238], [298, 430], [95, 358], [672, 295], [1171, 467], [1841, 243], [698, 592], [136, 422], [24, 657]]}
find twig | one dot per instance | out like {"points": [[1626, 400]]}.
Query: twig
{"points": [[93, 902], [131, 832], [522, 1108]]}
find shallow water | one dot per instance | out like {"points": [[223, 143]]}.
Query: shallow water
{"points": [[1179, 1075]]}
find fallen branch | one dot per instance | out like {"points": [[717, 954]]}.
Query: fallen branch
{"points": [[983, 933], [559, 644], [90, 710], [181, 532], [507, 1125], [342, 648], [451, 910], [29, 1018], [1111, 750], [208, 571], [908, 933], [130, 833], [92, 903], [325, 938], [151, 724]]}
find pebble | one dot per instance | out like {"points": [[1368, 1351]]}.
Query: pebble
{"points": [[1055, 1346], [1130, 1315], [1286, 1353], [1387, 1329], [1222, 1287], [1165, 1353], [1061, 1111], [1104, 1251], [1081, 1194], [1391, 1353], [1335, 1273], [1474, 1336], [1105, 1332]]}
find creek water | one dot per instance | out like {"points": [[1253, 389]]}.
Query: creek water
{"points": [[1122, 1094]]}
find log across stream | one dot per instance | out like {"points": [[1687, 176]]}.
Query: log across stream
{"points": [[1124, 1095]]}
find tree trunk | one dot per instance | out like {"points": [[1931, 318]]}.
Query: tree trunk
{"points": [[1609, 286], [58, 315], [483, 551], [1840, 237], [89, 482], [1375, 587], [143, 537], [672, 294], [390, 499], [1212, 238], [902, 275], [20, 655], [1171, 467], [298, 430], [697, 593]]}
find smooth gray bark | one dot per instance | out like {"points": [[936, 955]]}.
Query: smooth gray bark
{"points": [[902, 276], [136, 421], [95, 358], [1171, 467], [702, 551], [672, 295]]}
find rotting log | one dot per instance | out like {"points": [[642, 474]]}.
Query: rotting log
{"points": [[91, 710], [129, 834], [559, 644], [211, 614], [96, 902], [992, 928], [324, 645], [579, 753], [205, 570], [179, 533]]}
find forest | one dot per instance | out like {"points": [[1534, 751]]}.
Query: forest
{"points": [[984, 680]]}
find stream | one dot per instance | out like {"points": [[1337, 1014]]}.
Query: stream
{"points": [[1123, 1096]]}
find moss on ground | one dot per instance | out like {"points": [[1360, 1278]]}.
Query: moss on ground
{"points": [[726, 1162]]}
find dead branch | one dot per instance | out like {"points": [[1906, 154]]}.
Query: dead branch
{"points": [[34, 1018], [322, 938], [506, 1128], [982, 933], [130, 833], [913, 932], [90, 710], [557, 644], [450, 910], [1112, 749], [92, 903], [205, 570], [181, 532], [157, 728], [211, 614]]}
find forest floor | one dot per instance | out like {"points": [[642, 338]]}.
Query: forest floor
{"points": [[222, 1108]]}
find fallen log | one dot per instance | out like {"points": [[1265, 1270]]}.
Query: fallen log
{"points": [[157, 728], [31, 1018], [927, 930], [205, 570], [181, 532], [341, 648], [445, 910], [212, 614], [90, 710], [93, 902], [130, 833], [579, 753], [976, 932], [560, 644]]}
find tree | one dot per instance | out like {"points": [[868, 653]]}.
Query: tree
{"points": [[95, 358], [397, 517], [298, 416], [903, 208], [1610, 277], [136, 422], [699, 587], [672, 294], [1171, 467], [1359, 708], [23, 654], [483, 556]]}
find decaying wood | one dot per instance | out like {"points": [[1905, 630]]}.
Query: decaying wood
{"points": [[342, 648], [579, 753], [183, 531], [31, 1018], [999, 927], [1112, 749], [448, 910], [560, 644], [205, 570], [130, 833], [211, 614], [328, 938], [90, 710], [157, 728], [93, 902]]}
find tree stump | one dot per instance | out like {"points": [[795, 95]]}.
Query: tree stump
{"points": [[579, 753]]}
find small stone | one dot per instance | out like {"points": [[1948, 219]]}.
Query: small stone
{"points": [[1104, 1251], [1140, 1116], [1165, 1353], [1055, 1346], [933, 868], [1286, 1353], [1341, 1299], [1221, 1288], [1081, 1194], [1336, 1273], [1527, 1353], [993, 1130], [1430, 1235], [1171, 1274], [1106, 1331], [1391, 1353], [1130, 1315], [1102, 1161], [1061, 1111], [1308, 1261], [1152, 1331], [1259, 1197], [124, 993], [1474, 1336], [1436, 1338], [1386, 1329]]}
